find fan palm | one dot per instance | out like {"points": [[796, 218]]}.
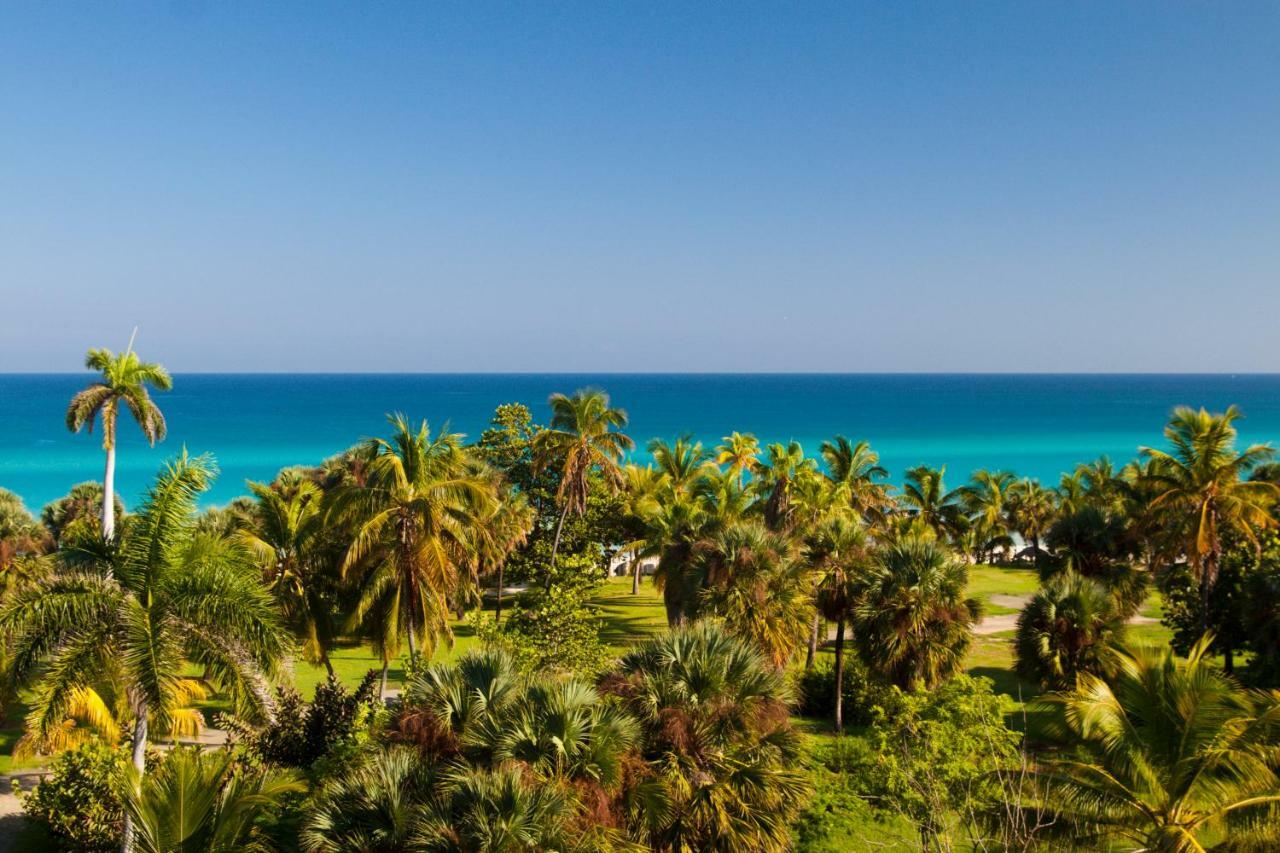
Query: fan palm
{"points": [[721, 751], [741, 452], [838, 551], [1200, 488], [284, 527], [125, 378], [1168, 754], [498, 811], [583, 437], [414, 521], [1067, 628], [913, 621], [375, 808], [926, 499], [203, 801], [130, 616]]}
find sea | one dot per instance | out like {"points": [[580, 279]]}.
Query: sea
{"points": [[1036, 425]]}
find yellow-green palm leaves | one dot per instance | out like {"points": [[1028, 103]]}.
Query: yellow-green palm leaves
{"points": [[125, 378]]}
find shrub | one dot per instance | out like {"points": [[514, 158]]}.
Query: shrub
{"points": [[862, 693], [553, 629], [79, 802]]}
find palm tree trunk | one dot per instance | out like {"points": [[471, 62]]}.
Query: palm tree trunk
{"points": [[382, 687], [328, 664], [1228, 661], [140, 765], [413, 645], [840, 675], [108, 495], [813, 641], [497, 613], [555, 544], [635, 576]]}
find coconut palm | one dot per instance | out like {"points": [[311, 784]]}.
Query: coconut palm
{"points": [[414, 520], [583, 437], [1163, 753], [854, 469], [500, 529], [1031, 509], [125, 378], [741, 452], [1200, 488], [203, 801], [683, 461], [926, 500], [838, 551], [756, 582], [721, 753], [131, 616], [913, 623], [785, 463], [986, 500], [1068, 627], [284, 529]]}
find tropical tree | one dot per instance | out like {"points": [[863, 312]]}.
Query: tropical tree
{"points": [[583, 437], [1068, 627], [495, 811], [722, 756], [78, 509], [838, 551], [1200, 488], [927, 501], [1031, 509], [682, 461], [125, 378], [414, 523], [203, 801], [853, 470], [1165, 753], [913, 623], [741, 453], [285, 530], [376, 807], [123, 619], [784, 466], [986, 499], [20, 535]]}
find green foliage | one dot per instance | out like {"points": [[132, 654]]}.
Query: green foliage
{"points": [[838, 816], [1262, 617], [933, 757], [79, 802], [1066, 628], [862, 692], [550, 629], [79, 509]]}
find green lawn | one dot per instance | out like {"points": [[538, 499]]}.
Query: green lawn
{"points": [[986, 581]]}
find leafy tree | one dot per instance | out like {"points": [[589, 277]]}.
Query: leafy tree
{"points": [[583, 437], [1164, 753], [784, 465], [1099, 544], [1067, 627], [1031, 509], [722, 757], [194, 800], [414, 520], [913, 623], [1262, 616], [125, 378], [1200, 489], [78, 802], [127, 619], [496, 811], [20, 534], [986, 498]]}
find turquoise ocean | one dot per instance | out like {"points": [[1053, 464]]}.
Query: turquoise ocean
{"points": [[1036, 425]]}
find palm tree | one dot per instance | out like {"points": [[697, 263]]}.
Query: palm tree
{"points": [[676, 520], [131, 616], [741, 452], [759, 586], [854, 469], [1067, 628], [499, 531], [583, 437], [914, 623], [284, 528], [203, 801], [1165, 753], [376, 807], [786, 463], [125, 378], [683, 461], [986, 499], [496, 811], [838, 552], [414, 521], [642, 486], [1031, 509], [721, 753], [20, 534], [1200, 487], [926, 499]]}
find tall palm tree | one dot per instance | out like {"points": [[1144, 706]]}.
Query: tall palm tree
{"points": [[284, 529], [914, 623], [502, 528], [854, 470], [784, 465], [838, 551], [741, 452], [1031, 509], [131, 616], [1068, 627], [1200, 487], [926, 499], [1163, 753], [203, 801], [683, 460], [125, 378], [414, 521], [583, 437], [986, 499]]}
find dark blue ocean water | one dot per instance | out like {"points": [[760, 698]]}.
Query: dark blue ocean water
{"points": [[254, 424]]}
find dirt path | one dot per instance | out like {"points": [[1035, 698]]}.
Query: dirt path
{"points": [[999, 622]]}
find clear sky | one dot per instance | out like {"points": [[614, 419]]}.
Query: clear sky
{"points": [[642, 186]]}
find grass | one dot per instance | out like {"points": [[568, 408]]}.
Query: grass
{"points": [[988, 580]]}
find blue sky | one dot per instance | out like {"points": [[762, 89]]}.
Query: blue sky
{"points": [[642, 186]]}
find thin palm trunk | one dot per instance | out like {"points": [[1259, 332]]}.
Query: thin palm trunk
{"points": [[497, 615], [555, 544], [840, 675], [382, 687], [328, 664], [108, 495], [812, 651], [635, 576], [139, 765]]}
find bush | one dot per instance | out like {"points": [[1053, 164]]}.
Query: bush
{"points": [[551, 629], [79, 802], [862, 693]]}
